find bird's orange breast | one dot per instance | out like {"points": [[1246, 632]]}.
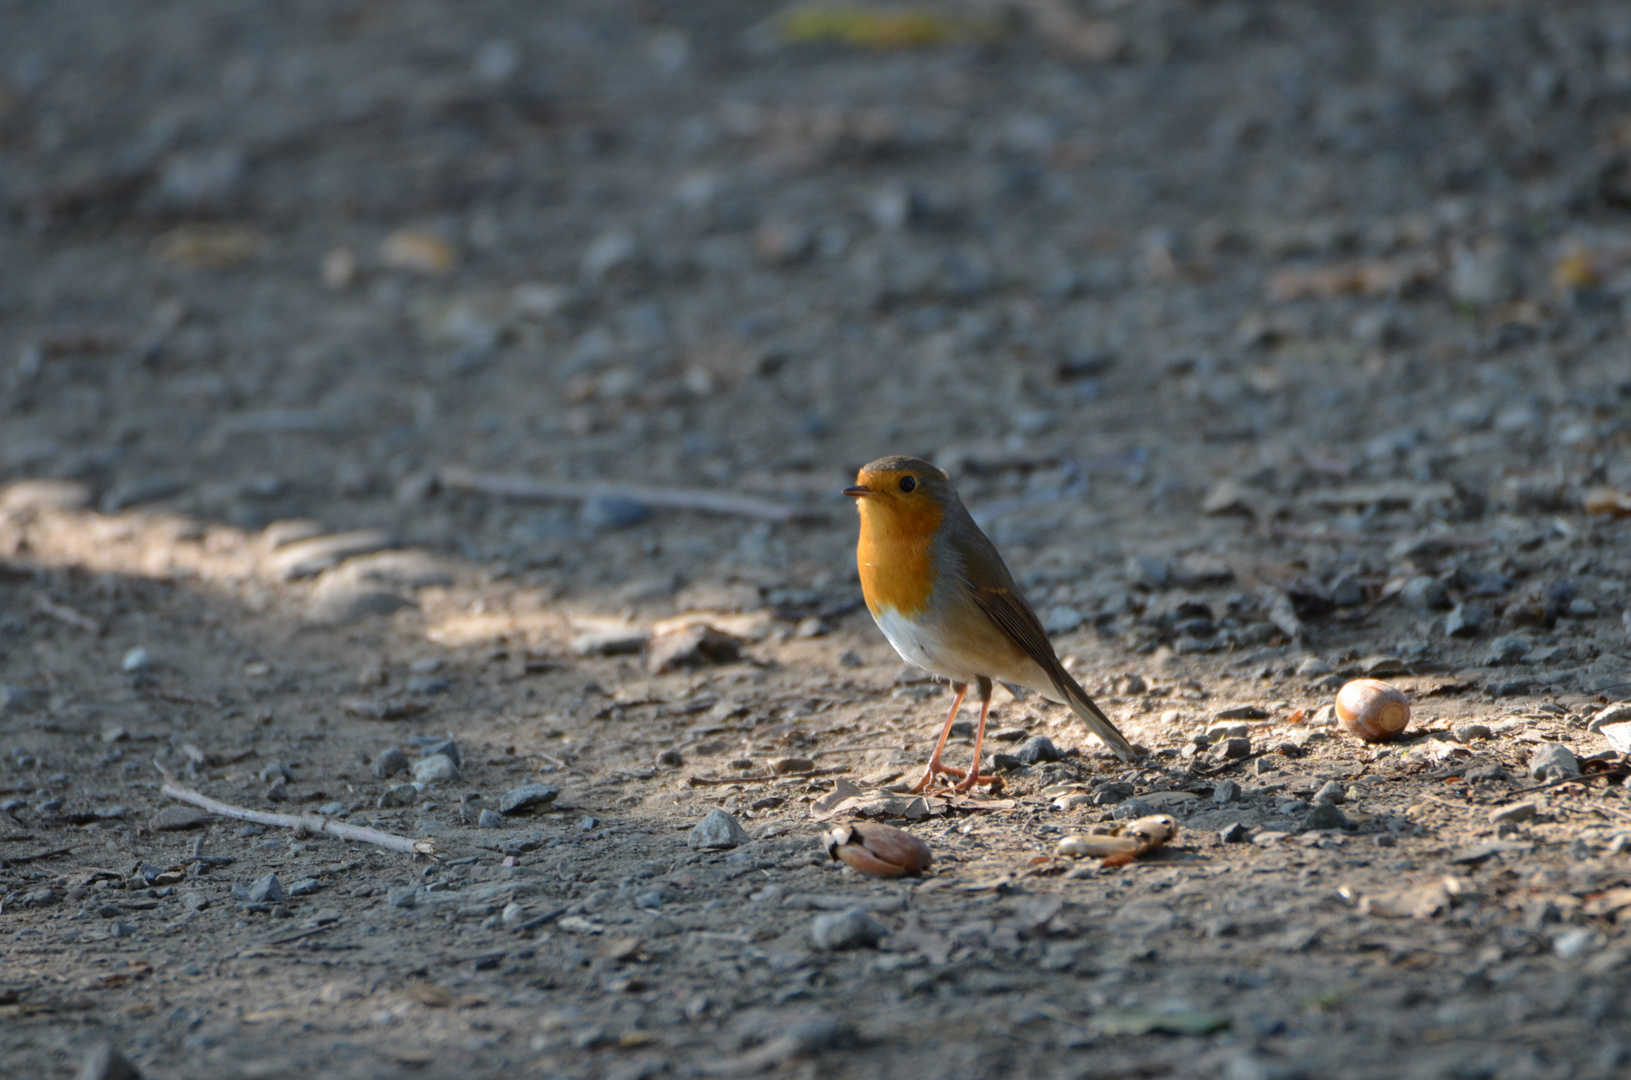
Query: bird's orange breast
{"points": [[896, 556]]}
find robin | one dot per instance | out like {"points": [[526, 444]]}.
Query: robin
{"points": [[943, 597]]}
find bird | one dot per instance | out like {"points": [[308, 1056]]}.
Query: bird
{"points": [[940, 592]]}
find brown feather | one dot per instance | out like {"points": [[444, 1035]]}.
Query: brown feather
{"points": [[1013, 615]]}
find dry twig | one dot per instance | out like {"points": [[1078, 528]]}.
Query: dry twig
{"points": [[706, 781], [530, 489], [311, 823], [65, 614]]}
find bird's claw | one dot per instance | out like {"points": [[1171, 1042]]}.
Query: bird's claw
{"points": [[967, 780]]}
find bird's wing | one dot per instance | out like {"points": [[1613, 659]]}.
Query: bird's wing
{"points": [[1013, 615]]}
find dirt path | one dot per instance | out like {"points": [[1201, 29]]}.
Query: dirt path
{"points": [[1274, 345]]}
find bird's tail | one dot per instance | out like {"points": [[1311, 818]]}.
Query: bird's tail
{"points": [[1093, 716]]}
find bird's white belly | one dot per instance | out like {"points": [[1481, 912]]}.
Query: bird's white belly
{"points": [[917, 648]]}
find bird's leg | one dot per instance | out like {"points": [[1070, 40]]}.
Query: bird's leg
{"points": [[958, 689], [974, 776]]}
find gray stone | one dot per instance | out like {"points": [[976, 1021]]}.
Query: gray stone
{"points": [[1425, 594], [1325, 815], [489, 820], [435, 769], [331, 809], [1507, 649], [526, 797], [717, 830], [403, 896], [851, 929], [19, 699], [1219, 732], [613, 512], [1466, 733], [1147, 572], [1132, 808], [267, 890], [398, 795], [1512, 812], [1243, 712], [1582, 609], [1553, 761], [1112, 793], [389, 762], [135, 660], [1036, 750], [1617, 713], [1235, 747], [1311, 667], [174, 818], [1464, 620], [1225, 792], [447, 747], [305, 887], [693, 646], [1234, 834], [1332, 792], [106, 1063]]}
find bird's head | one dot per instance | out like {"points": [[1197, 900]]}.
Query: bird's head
{"points": [[902, 493]]}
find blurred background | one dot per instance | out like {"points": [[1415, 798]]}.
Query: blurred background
{"points": [[265, 261]]}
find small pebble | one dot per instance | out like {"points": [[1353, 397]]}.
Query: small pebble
{"points": [[850, 929], [1112, 793], [513, 914], [136, 660], [1553, 761], [1425, 594], [1234, 834], [1466, 733], [389, 762], [330, 809], [106, 1063], [1225, 792], [1464, 620], [1037, 750], [1132, 808], [717, 830], [1236, 747], [1312, 667], [305, 887], [266, 890], [1512, 812], [1332, 792], [398, 795], [446, 747], [1325, 815], [527, 796], [435, 769], [403, 896], [671, 759], [489, 820], [588, 824], [1219, 732]]}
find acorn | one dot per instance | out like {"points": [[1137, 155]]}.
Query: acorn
{"points": [[881, 850], [1372, 710]]}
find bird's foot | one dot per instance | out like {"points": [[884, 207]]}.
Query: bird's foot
{"points": [[974, 778], [936, 769]]}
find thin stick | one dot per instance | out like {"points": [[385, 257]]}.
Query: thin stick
{"points": [[527, 488], [1584, 778], [36, 857], [65, 614], [704, 781], [311, 823], [852, 750]]}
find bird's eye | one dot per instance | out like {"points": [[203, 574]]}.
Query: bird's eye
{"points": [[908, 483]]}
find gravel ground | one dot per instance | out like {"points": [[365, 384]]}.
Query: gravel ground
{"points": [[371, 376]]}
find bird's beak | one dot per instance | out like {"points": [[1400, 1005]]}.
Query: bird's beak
{"points": [[859, 491]]}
